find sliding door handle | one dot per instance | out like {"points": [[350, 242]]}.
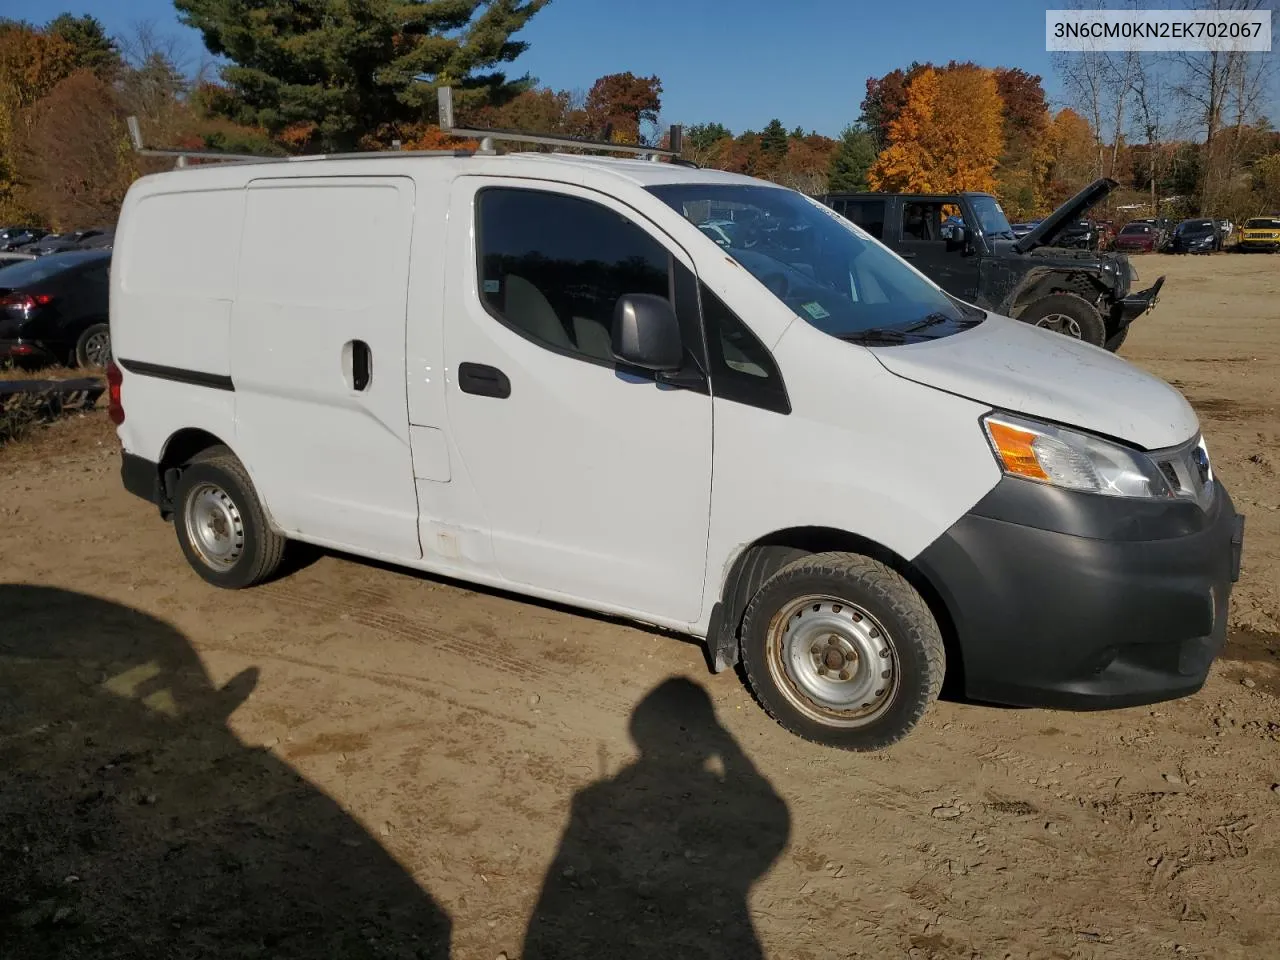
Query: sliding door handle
{"points": [[483, 380], [357, 364]]}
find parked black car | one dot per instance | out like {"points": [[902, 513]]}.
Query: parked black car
{"points": [[15, 238], [51, 243], [54, 309], [1081, 293], [1196, 236]]}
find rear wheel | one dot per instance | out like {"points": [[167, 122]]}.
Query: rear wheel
{"points": [[841, 650], [221, 525], [1068, 314]]}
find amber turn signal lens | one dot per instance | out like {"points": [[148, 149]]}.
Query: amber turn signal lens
{"points": [[1014, 449]]}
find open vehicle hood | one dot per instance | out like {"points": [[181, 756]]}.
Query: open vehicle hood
{"points": [[1024, 369], [1046, 232]]}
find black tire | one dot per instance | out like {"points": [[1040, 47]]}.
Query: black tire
{"points": [[87, 344], [238, 523], [1116, 341], [1077, 309], [879, 607]]}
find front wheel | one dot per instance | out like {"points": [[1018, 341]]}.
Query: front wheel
{"points": [[841, 650], [1068, 314]]}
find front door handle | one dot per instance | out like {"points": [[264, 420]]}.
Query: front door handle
{"points": [[907, 254], [483, 380]]}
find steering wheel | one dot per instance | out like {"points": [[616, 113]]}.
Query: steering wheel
{"points": [[778, 284]]}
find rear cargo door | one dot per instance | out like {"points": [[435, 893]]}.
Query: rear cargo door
{"points": [[318, 358]]}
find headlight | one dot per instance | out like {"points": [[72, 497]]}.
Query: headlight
{"points": [[1073, 460]]}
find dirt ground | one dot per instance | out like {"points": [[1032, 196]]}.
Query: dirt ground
{"points": [[357, 761]]}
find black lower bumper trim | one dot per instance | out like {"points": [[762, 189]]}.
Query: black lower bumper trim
{"points": [[1054, 619]]}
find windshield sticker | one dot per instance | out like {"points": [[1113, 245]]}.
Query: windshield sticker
{"points": [[492, 286], [815, 310]]}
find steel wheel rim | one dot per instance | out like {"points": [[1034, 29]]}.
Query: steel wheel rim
{"points": [[214, 526], [833, 661], [1061, 323], [97, 349]]}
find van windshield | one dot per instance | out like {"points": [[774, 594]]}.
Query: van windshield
{"points": [[824, 269]]}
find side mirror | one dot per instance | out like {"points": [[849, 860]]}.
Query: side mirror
{"points": [[646, 333]]}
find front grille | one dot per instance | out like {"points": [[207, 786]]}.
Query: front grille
{"points": [[1188, 470]]}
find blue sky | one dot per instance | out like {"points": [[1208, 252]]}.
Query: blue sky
{"points": [[739, 62]]}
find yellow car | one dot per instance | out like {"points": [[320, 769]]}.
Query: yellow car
{"points": [[1261, 233]]}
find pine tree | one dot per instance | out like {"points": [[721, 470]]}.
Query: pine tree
{"points": [[91, 48], [773, 139], [851, 161], [347, 72]]}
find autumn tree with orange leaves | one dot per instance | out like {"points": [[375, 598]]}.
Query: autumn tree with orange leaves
{"points": [[1075, 155], [948, 135]]}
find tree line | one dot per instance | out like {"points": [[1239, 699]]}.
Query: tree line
{"points": [[1190, 127]]}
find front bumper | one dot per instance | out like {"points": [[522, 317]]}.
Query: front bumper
{"points": [[1076, 601], [1266, 245], [1136, 304]]}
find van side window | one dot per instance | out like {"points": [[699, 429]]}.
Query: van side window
{"points": [[553, 266], [868, 214], [742, 369]]}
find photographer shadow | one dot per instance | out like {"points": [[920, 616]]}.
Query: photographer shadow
{"points": [[659, 860]]}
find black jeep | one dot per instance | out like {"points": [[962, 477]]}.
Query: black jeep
{"points": [[963, 242]]}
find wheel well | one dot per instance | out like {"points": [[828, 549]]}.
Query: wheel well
{"points": [[181, 449], [1079, 283], [763, 558]]}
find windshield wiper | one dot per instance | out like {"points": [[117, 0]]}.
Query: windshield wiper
{"points": [[932, 320], [876, 335]]}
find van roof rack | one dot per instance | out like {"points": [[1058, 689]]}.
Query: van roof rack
{"points": [[445, 99], [183, 156], [487, 136]]}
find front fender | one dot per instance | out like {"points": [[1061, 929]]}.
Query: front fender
{"points": [[863, 451]]}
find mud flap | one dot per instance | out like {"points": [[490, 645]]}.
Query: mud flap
{"points": [[721, 647]]}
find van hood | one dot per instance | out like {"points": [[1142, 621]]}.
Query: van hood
{"points": [[1024, 369], [1051, 227]]}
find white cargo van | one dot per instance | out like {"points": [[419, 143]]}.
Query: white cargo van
{"points": [[686, 397]]}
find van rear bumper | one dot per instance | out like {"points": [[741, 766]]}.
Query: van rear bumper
{"points": [[1082, 602], [141, 477]]}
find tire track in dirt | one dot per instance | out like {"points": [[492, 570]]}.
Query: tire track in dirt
{"points": [[370, 609]]}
